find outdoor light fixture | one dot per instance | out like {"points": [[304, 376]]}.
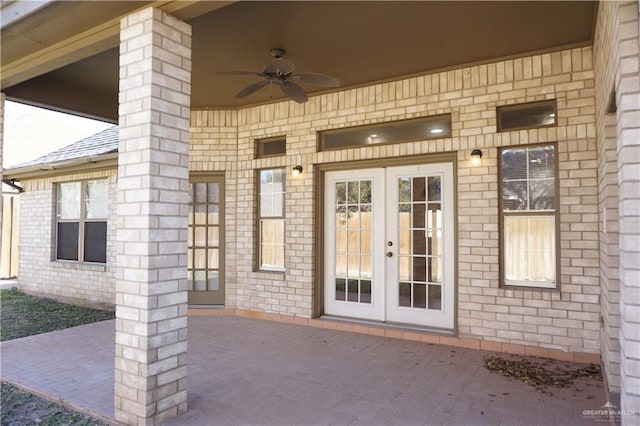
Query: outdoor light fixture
{"points": [[476, 157], [296, 171]]}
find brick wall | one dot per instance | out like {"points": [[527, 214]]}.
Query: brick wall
{"points": [[38, 273], [567, 319], [604, 65]]}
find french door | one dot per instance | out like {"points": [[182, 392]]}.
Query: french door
{"points": [[205, 255], [389, 244]]}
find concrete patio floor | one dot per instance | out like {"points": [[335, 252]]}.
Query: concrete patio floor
{"points": [[244, 372]]}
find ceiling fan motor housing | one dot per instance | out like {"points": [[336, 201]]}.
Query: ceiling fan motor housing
{"points": [[277, 53]]}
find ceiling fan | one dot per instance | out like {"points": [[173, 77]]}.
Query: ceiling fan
{"points": [[280, 73]]}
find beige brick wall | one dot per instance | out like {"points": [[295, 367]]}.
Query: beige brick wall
{"points": [[567, 319], [39, 273], [604, 66]]}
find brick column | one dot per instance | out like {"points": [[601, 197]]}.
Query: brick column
{"points": [[628, 129], [1, 157], [153, 195]]}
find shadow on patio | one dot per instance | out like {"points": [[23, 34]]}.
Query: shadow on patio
{"points": [[244, 371]]}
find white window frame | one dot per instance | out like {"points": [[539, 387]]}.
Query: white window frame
{"points": [[81, 220]]}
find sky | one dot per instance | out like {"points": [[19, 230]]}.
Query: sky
{"points": [[31, 132]]}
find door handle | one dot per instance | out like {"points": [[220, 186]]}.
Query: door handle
{"points": [[389, 254]]}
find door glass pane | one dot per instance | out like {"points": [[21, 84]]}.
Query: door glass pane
{"points": [[200, 281], [353, 240], [404, 190], [435, 269], [404, 294], [190, 280], [418, 215], [404, 266], [404, 241], [200, 258], [419, 269], [352, 290], [214, 236], [435, 297], [213, 257], [419, 242], [200, 236], [434, 183], [365, 291], [200, 214], [420, 296], [213, 281], [341, 291], [419, 190]]}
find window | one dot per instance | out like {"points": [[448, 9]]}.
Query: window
{"points": [[270, 147], [417, 129], [81, 221], [529, 216], [526, 116], [271, 220]]}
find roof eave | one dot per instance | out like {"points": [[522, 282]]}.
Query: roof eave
{"points": [[81, 164]]}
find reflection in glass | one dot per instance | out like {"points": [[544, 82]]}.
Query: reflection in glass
{"points": [[514, 164], [200, 281], [200, 192], [213, 258], [419, 189], [213, 281], [365, 266], [353, 192], [341, 193], [419, 215], [190, 280], [200, 258], [365, 291], [435, 183], [542, 195], [435, 297], [365, 192], [514, 195], [404, 296], [435, 269], [214, 236], [96, 199], [404, 268], [365, 241], [542, 162], [404, 190], [404, 243], [200, 236], [420, 296], [341, 265], [214, 192], [200, 214], [419, 242], [341, 240], [420, 269], [352, 290], [340, 289]]}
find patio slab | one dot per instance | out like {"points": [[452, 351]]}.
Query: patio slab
{"points": [[245, 372]]}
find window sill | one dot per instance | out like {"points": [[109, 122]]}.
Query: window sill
{"points": [[515, 285], [78, 266]]}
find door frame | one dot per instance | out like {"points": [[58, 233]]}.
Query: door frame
{"points": [[322, 169]]}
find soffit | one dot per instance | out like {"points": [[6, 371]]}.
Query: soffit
{"points": [[357, 42]]}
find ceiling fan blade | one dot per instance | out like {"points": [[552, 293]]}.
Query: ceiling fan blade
{"points": [[317, 79], [279, 66], [251, 73], [252, 88], [293, 91]]}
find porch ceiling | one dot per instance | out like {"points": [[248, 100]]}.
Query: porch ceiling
{"points": [[357, 42]]}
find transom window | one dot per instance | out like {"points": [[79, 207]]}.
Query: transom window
{"points": [[415, 129], [81, 221], [527, 116], [529, 216]]}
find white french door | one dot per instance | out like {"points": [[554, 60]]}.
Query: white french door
{"points": [[389, 244]]}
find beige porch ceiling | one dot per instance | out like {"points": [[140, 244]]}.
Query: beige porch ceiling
{"points": [[357, 42]]}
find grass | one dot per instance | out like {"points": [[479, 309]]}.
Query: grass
{"points": [[22, 315]]}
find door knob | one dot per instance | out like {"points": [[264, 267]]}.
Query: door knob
{"points": [[389, 254]]}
